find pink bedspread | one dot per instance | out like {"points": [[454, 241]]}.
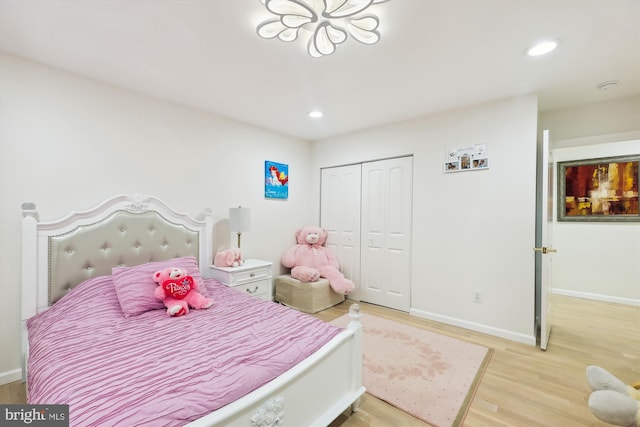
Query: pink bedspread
{"points": [[161, 371]]}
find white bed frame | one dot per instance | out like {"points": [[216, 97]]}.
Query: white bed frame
{"points": [[60, 254]]}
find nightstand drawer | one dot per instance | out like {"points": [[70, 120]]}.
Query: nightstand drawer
{"points": [[242, 277], [253, 278], [258, 289]]}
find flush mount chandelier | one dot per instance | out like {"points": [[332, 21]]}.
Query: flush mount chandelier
{"points": [[328, 22]]}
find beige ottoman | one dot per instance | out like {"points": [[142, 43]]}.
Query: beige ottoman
{"points": [[310, 297]]}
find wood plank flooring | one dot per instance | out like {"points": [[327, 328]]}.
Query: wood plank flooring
{"points": [[522, 386], [13, 393]]}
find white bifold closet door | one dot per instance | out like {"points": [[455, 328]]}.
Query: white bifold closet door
{"points": [[377, 215]]}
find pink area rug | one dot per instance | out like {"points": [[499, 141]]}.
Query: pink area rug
{"points": [[430, 376]]}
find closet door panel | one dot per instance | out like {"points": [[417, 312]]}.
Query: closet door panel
{"points": [[400, 207], [386, 232], [373, 276], [372, 226], [340, 216]]}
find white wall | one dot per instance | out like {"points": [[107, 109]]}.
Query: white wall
{"points": [[597, 260], [471, 230], [67, 142], [598, 122]]}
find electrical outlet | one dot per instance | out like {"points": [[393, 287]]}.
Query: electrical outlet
{"points": [[477, 296]]}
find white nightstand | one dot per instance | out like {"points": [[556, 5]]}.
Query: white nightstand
{"points": [[253, 277]]}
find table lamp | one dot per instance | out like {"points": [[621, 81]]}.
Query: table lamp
{"points": [[239, 221]]}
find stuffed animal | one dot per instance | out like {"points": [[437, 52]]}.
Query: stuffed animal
{"points": [[310, 259], [179, 291], [228, 258], [611, 400]]}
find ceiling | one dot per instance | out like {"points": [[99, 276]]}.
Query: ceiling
{"points": [[433, 55]]}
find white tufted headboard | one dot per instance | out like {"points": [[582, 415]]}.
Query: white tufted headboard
{"points": [[122, 231]]}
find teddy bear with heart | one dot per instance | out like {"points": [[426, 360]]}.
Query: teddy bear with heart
{"points": [[179, 291]]}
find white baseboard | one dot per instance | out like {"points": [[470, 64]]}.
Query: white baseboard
{"points": [[10, 376], [510, 335], [597, 297]]}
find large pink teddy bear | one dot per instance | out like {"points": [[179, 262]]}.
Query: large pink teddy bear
{"points": [[309, 260], [179, 291]]}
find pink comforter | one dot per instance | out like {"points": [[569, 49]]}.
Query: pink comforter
{"points": [[161, 371]]}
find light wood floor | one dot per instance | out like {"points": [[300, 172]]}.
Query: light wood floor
{"points": [[522, 386]]}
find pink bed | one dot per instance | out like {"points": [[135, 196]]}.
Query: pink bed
{"points": [[96, 338], [85, 353]]}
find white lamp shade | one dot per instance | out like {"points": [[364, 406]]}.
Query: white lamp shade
{"points": [[239, 219]]}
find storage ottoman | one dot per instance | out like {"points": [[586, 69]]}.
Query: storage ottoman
{"points": [[309, 297]]}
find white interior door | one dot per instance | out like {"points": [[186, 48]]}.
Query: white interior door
{"points": [[546, 249], [385, 275], [340, 216]]}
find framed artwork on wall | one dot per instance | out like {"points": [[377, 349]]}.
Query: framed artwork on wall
{"points": [[276, 180], [604, 189]]}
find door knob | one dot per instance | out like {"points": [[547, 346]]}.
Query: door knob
{"points": [[545, 250]]}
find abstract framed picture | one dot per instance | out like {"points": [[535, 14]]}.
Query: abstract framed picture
{"points": [[604, 189], [276, 180]]}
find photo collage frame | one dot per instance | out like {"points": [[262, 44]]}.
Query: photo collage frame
{"points": [[468, 158]]}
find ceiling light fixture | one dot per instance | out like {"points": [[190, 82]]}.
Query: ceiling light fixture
{"points": [[315, 114], [542, 48], [328, 22]]}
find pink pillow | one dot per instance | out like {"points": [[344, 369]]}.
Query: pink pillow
{"points": [[135, 286]]}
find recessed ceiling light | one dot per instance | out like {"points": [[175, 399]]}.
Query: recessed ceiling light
{"points": [[542, 48], [315, 114]]}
